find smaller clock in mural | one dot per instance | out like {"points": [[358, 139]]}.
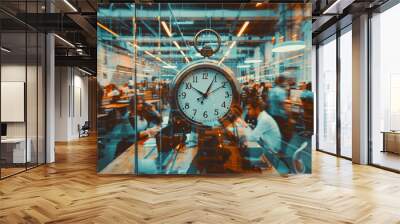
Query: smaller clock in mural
{"points": [[205, 93]]}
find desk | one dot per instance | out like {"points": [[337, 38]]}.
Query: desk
{"points": [[391, 141], [13, 150], [178, 162]]}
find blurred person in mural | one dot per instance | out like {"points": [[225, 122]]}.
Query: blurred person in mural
{"points": [[147, 117], [264, 92], [266, 129], [125, 90], [111, 91], [164, 93], [244, 93], [307, 101], [278, 107]]}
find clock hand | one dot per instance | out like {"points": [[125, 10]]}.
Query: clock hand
{"points": [[216, 89], [201, 93], [209, 87], [203, 97]]}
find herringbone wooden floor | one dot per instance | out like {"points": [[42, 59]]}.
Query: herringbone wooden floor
{"points": [[70, 191]]}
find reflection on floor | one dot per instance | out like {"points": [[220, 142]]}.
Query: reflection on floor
{"points": [[387, 159], [70, 191], [10, 171]]}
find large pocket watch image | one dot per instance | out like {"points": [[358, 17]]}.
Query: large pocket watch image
{"points": [[204, 91]]}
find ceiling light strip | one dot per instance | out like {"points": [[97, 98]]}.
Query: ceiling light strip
{"points": [[86, 72], [64, 40], [70, 5], [330, 7], [5, 50]]}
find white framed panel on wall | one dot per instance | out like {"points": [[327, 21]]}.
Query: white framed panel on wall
{"points": [[12, 101]]}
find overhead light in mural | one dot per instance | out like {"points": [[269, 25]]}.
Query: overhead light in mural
{"points": [[5, 50], [176, 44], [165, 26], [169, 66], [70, 5], [64, 40], [107, 29], [252, 61], [133, 45], [166, 65], [244, 26], [258, 4], [243, 66], [289, 46], [241, 31]]}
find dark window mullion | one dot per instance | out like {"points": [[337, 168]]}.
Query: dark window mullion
{"points": [[338, 78]]}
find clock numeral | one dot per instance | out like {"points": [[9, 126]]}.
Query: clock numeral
{"points": [[215, 78], [216, 112], [205, 75], [205, 115], [223, 105], [194, 79], [188, 85], [187, 106], [224, 85], [194, 112], [183, 95], [227, 95]]}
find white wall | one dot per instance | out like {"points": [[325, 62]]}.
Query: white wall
{"points": [[33, 127], [71, 102]]}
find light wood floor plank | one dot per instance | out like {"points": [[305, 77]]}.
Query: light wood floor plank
{"points": [[70, 191]]}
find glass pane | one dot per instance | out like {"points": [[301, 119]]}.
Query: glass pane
{"points": [[279, 79], [13, 86], [31, 97], [41, 99], [116, 88], [385, 85], [327, 97], [346, 94]]}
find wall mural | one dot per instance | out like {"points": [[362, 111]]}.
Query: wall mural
{"points": [[204, 88]]}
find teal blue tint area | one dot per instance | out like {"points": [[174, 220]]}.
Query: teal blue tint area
{"points": [[143, 51]]}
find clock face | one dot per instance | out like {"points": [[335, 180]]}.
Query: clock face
{"points": [[204, 96]]}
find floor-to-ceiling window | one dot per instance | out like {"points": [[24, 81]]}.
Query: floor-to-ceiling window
{"points": [[334, 106], [385, 89], [326, 138], [346, 92], [22, 77]]}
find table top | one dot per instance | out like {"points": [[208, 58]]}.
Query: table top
{"points": [[115, 106], [391, 132], [13, 140]]}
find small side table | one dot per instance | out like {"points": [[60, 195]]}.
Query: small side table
{"points": [[391, 141]]}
